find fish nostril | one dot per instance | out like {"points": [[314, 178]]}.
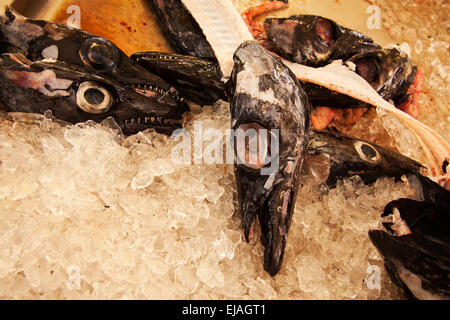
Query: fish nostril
{"points": [[325, 31]]}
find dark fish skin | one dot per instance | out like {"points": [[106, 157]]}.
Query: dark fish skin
{"points": [[320, 96], [37, 44], [346, 156], [422, 217], [181, 29], [419, 262], [198, 79], [264, 91], [297, 38], [389, 72], [22, 90]]}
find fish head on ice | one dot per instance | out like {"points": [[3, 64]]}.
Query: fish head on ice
{"points": [[331, 157], [104, 81], [314, 40], [271, 122]]}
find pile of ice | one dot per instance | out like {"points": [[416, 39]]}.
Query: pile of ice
{"points": [[419, 24], [88, 213]]}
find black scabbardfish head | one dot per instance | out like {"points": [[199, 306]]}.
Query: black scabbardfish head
{"points": [[315, 40], [331, 157], [271, 121], [198, 79], [74, 95], [389, 71], [416, 246], [41, 58]]}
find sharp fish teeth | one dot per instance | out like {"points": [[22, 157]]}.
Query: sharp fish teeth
{"points": [[161, 91], [152, 120]]}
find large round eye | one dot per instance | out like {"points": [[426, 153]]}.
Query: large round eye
{"points": [[325, 31], [253, 145], [367, 68], [367, 152], [99, 53], [93, 98]]}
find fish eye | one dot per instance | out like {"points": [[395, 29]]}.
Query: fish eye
{"points": [[93, 98], [325, 31], [99, 53], [253, 145], [367, 68], [367, 152]]}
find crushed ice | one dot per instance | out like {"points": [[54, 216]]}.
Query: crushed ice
{"points": [[116, 210], [89, 213]]}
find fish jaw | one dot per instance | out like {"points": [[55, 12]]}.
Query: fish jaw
{"points": [[76, 96], [196, 78], [141, 99], [265, 95], [390, 72]]}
